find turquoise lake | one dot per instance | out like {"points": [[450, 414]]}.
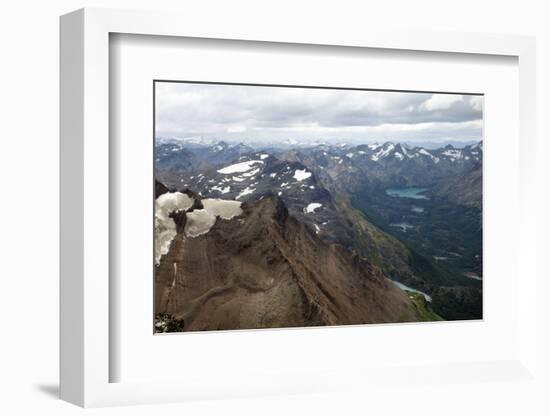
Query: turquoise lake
{"points": [[410, 192]]}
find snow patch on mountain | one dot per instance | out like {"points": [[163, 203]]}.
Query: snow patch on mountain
{"points": [[454, 154], [300, 175], [165, 227], [239, 167], [222, 208], [251, 173], [382, 153], [201, 221], [406, 152], [247, 191], [311, 207], [426, 153], [221, 190]]}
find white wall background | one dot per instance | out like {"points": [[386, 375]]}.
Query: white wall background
{"points": [[29, 211]]}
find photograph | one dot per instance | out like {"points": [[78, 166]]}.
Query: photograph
{"points": [[280, 206], [248, 208]]}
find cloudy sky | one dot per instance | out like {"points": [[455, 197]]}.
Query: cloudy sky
{"points": [[267, 114]]}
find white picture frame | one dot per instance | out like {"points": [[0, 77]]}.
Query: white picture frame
{"points": [[85, 165]]}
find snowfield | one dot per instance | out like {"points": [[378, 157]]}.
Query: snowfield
{"points": [[221, 190], [312, 207], [239, 167], [165, 227], [300, 175], [200, 221], [251, 173], [245, 191], [225, 209]]}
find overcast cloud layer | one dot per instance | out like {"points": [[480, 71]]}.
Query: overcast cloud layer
{"points": [[269, 114]]}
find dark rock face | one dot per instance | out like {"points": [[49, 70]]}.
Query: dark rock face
{"points": [[160, 189], [265, 269]]}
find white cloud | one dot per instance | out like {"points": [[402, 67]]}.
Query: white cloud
{"points": [[441, 101], [476, 102], [241, 113], [236, 129]]}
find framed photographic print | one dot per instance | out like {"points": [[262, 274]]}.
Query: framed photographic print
{"points": [[268, 212], [287, 206]]}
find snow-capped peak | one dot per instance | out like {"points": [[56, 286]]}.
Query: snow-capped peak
{"points": [[453, 154], [382, 153]]}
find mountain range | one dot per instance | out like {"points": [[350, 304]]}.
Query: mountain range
{"points": [[335, 200]]}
